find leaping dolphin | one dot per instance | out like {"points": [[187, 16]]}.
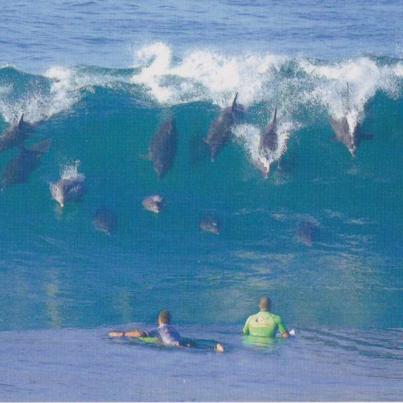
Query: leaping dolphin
{"points": [[220, 130], [20, 168], [350, 138], [163, 148], [154, 203], [68, 189], [269, 137], [268, 144], [16, 134]]}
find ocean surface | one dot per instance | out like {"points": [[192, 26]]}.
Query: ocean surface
{"points": [[98, 78]]}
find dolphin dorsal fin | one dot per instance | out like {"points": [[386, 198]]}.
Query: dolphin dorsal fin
{"points": [[21, 121], [234, 102], [275, 114]]}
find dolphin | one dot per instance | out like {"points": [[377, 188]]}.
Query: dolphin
{"points": [[268, 144], [68, 189], [269, 137], [105, 220], [343, 134], [210, 224], [20, 168], [153, 203], [16, 134], [163, 147], [220, 130]]}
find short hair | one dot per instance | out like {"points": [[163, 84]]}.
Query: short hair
{"points": [[265, 303], [164, 317]]}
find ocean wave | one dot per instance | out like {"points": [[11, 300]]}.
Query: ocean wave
{"points": [[305, 91], [204, 75]]}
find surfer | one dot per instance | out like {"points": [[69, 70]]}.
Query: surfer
{"points": [[265, 323], [165, 333]]}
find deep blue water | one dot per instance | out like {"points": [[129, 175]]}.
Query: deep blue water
{"points": [[98, 78]]}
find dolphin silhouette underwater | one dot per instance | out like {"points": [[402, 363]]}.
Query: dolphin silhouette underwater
{"points": [[163, 146], [220, 130], [19, 169], [105, 221], [16, 134]]}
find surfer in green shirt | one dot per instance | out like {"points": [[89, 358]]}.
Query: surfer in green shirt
{"points": [[265, 323]]}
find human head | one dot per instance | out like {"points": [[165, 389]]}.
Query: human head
{"points": [[164, 317], [264, 303]]}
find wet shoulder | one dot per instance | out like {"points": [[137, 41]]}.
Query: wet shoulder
{"points": [[276, 318]]}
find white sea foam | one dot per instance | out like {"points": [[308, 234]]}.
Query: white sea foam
{"points": [[203, 75], [40, 103], [345, 88], [64, 91], [342, 89], [5, 89], [398, 70], [71, 171], [213, 76]]}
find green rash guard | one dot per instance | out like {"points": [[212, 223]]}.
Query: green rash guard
{"points": [[263, 324]]}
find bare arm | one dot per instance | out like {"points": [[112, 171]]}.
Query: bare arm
{"points": [[245, 329], [282, 329], [131, 333]]}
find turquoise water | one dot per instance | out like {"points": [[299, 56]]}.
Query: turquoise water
{"points": [[98, 79]]}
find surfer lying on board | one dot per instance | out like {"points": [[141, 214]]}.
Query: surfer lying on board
{"points": [[165, 333], [265, 323]]}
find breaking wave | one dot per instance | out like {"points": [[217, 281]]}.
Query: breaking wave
{"points": [[306, 92]]}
